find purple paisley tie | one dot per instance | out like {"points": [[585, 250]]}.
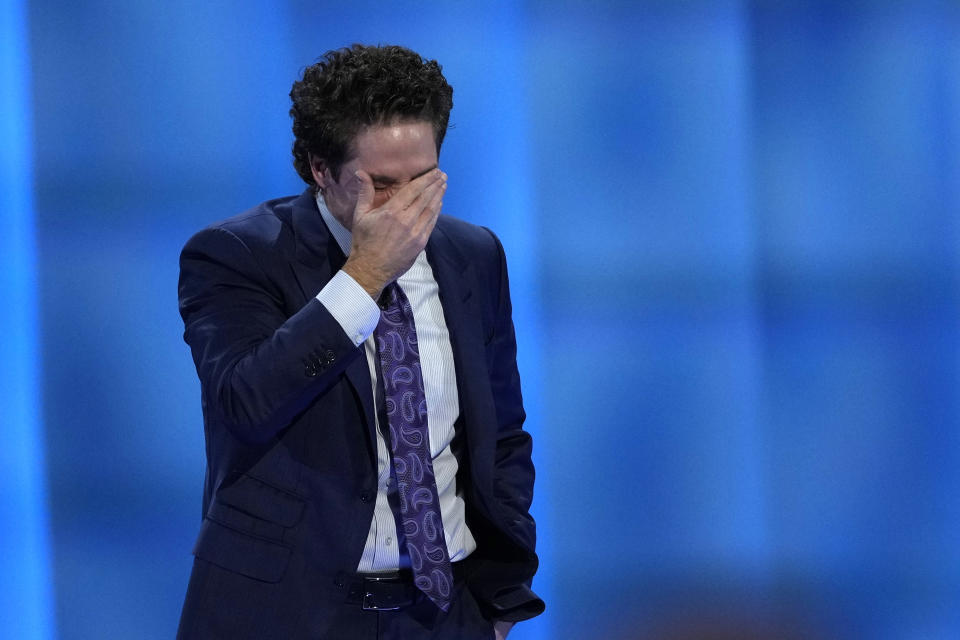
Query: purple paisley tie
{"points": [[406, 403]]}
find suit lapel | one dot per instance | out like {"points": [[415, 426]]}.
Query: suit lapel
{"points": [[318, 258], [455, 278]]}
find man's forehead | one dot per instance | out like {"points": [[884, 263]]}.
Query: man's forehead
{"points": [[396, 152], [394, 131]]}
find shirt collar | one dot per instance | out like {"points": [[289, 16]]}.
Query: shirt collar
{"points": [[341, 233]]}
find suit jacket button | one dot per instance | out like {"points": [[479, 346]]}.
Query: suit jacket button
{"points": [[329, 357], [310, 370], [366, 496]]}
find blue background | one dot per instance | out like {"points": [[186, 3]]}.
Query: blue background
{"points": [[733, 237]]}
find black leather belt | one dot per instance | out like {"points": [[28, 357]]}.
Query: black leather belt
{"points": [[388, 591]]}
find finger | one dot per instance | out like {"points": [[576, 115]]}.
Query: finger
{"points": [[365, 191], [423, 200], [430, 213], [412, 190]]}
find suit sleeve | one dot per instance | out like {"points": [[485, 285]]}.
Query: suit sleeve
{"points": [[258, 368], [513, 476]]}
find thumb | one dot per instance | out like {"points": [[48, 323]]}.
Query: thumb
{"points": [[364, 191]]}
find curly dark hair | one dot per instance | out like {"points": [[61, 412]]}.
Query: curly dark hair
{"points": [[358, 86]]}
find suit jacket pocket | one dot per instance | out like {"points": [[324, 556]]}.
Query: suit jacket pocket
{"points": [[240, 552], [261, 500], [243, 522]]}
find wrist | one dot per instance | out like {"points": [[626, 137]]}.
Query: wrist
{"points": [[372, 282]]}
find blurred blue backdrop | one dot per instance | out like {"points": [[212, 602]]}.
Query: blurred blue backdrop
{"points": [[733, 237]]}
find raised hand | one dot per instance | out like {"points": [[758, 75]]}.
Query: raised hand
{"points": [[387, 239]]}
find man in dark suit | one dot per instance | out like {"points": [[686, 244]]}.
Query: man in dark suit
{"points": [[368, 475]]}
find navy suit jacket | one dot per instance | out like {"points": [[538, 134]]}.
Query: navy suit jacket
{"points": [[289, 422]]}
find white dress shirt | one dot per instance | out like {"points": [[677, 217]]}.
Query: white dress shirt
{"points": [[359, 314]]}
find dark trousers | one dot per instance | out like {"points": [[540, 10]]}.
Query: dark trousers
{"points": [[211, 613]]}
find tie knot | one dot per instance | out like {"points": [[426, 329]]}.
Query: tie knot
{"points": [[387, 296]]}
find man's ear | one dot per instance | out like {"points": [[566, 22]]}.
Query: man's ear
{"points": [[321, 176]]}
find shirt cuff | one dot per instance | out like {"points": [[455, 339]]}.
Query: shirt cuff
{"points": [[351, 306]]}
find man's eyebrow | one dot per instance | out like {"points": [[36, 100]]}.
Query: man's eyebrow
{"points": [[389, 180]]}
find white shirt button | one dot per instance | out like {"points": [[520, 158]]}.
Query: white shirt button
{"points": [[389, 540]]}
